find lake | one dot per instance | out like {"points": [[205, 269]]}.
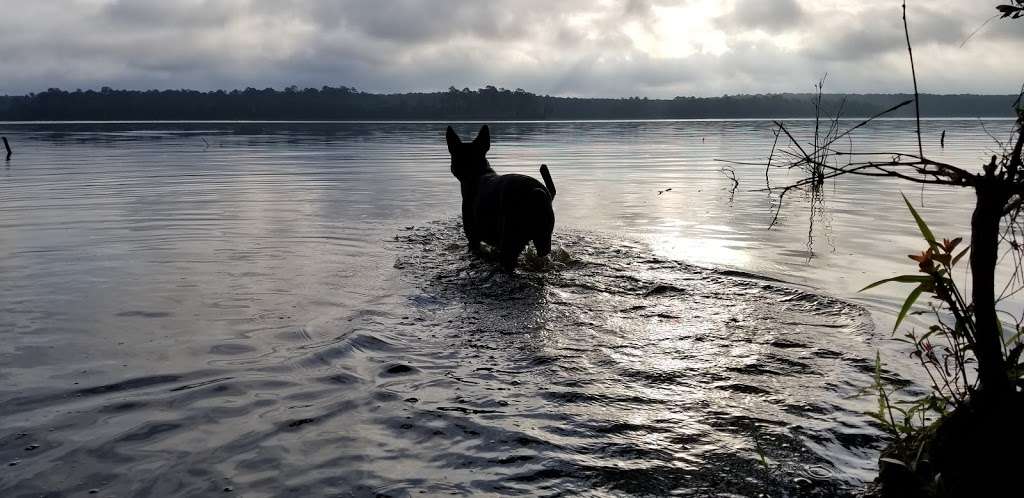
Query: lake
{"points": [[275, 308]]}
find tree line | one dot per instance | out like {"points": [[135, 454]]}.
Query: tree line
{"points": [[346, 103]]}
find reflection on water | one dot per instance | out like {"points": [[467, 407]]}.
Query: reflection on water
{"points": [[267, 308]]}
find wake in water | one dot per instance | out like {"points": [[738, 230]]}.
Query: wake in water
{"points": [[602, 371], [623, 372], [182, 319]]}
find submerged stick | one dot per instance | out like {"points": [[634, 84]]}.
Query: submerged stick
{"points": [[730, 173], [8, 147]]}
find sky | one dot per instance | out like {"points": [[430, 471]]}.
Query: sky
{"points": [[603, 48]]}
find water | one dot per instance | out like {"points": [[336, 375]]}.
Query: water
{"points": [[275, 308]]}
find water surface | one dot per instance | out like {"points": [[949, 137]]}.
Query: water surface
{"points": [[273, 308]]}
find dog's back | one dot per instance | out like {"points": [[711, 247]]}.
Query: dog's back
{"points": [[505, 211], [521, 207]]}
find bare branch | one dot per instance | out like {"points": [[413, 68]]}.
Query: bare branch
{"points": [[730, 173], [771, 155], [870, 119], [913, 73]]}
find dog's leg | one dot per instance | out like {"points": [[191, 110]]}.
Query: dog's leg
{"points": [[510, 256], [474, 244], [468, 227], [545, 224], [510, 246], [543, 245]]}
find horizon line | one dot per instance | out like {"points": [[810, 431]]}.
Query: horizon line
{"points": [[299, 89], [484, 121]]}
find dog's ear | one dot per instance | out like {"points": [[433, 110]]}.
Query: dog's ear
{"points": [[453, 140], [483, 139]]}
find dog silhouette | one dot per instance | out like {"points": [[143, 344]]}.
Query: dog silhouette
{"points": [[505, 211]]}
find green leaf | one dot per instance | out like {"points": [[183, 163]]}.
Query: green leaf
{"points": [[1014, 338], [921, 225], [911, 299], [903, 279], [881, 419], [892, 461], [927, 335], [958, 256]]}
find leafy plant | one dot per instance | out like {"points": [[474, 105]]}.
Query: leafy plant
{"points": [[947, 348], [760, 451], [965, 424], [1014, 11]]}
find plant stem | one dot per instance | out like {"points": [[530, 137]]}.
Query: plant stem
{"points": [[913, 74]]}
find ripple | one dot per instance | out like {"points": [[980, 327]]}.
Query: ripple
{"points": [[180, 320], [670, 352]]}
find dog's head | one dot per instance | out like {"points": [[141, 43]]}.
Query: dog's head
{"points": [[469, 160]]}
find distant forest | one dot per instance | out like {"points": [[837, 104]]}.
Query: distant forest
{"points": [[490, 103]]}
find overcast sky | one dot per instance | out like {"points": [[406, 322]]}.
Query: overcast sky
{"points": [[559, 47]]}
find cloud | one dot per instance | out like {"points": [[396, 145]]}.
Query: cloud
{"points": [[879, 30], [767, 15], [657, 48]]}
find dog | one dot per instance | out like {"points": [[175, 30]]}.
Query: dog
{"points": [[505, 211]]}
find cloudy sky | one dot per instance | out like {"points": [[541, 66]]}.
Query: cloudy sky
{"points": [[560, 47]]}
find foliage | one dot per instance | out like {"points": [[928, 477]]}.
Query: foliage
{"points": [[1000, 198], [346, 103], [970, 351], [945, 350], [1014, 11]]}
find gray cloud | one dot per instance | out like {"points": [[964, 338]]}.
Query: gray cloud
{"points": [[153, 14], [879, 30], [570, 47], [769, 15]]}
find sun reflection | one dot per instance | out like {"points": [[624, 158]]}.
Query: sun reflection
{"points": [[703, 250]]}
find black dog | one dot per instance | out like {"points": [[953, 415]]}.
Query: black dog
{"points": [[505, 211]]}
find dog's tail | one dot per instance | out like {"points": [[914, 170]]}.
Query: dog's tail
{"points": [[548, 182]]}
